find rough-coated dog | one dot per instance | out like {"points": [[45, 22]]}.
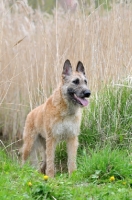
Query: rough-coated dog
{"points": [[58, 119]]}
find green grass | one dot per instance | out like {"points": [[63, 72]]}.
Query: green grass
{"points": [[99, 165], [108, 120], [90, 181], [48, 5]]}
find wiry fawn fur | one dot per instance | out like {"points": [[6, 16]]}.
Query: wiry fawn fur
{"points": [[57, 119]]}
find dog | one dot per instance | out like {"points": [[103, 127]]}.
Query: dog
{"points": [[58, 119]]}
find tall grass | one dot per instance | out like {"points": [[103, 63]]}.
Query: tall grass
{"points": [[108, 121], [34, 46]]}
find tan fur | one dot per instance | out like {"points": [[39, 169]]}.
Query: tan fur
{"points": [[55, 120]]}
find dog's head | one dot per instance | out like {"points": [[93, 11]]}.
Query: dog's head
{"points": [[74, 84]]}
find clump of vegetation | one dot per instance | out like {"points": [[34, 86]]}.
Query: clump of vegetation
{"points": [[108, 119], [101, 165]]}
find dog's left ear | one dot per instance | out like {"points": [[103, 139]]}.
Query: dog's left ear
{"points": [[80, 67]]}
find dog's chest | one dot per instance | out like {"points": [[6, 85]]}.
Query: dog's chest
{"points": [[66, 128]]}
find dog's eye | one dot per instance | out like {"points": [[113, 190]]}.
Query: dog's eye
{"points": [[85, 81], [76, 81]]}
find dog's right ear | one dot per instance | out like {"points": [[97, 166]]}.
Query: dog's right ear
{"points": [[67, 68]]}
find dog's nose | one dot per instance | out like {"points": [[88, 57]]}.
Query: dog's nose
{"points": [[87, 93]]}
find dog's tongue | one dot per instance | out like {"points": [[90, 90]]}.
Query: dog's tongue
{"points": [[84, 102]]}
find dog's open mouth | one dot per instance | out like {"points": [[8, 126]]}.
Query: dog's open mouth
{"points": [[81, 101]]}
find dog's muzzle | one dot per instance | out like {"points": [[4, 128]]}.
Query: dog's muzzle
{"points": [[79, 98]]}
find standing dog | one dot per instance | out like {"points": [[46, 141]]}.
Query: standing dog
{"points": [[58, 119]]}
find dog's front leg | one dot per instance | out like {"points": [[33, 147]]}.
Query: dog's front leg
{"points": [[72, 145], [50, 155]]}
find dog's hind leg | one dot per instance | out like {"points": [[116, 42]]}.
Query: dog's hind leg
{"points": [[29, 140], [43, 165]]}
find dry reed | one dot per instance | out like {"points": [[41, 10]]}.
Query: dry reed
{"points": [[34, 46]]}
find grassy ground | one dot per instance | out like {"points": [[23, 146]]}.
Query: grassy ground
{"points": [[99, 177]]}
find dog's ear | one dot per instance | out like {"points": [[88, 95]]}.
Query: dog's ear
{"points": [[80, 67], [67, 68]]}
